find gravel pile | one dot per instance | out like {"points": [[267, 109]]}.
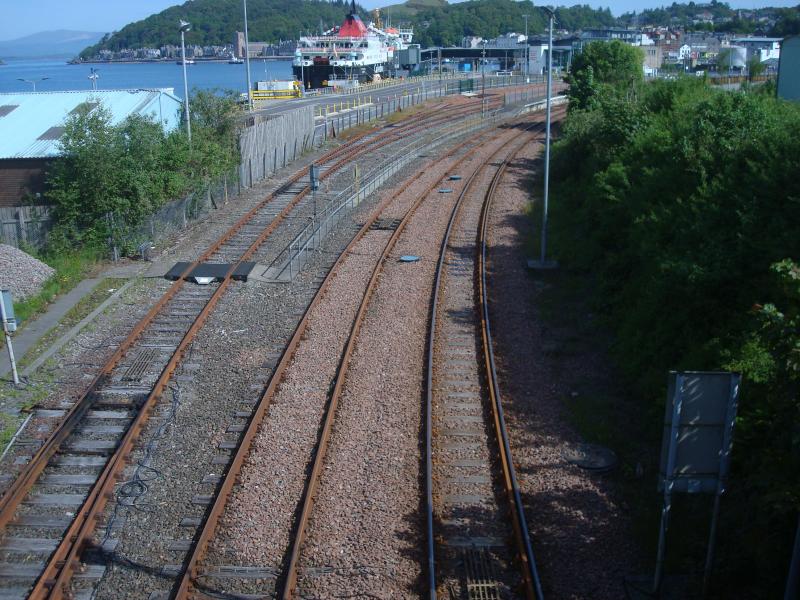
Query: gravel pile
{"points": [[579, 526], [21, 273]]}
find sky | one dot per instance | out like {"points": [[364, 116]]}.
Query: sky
{"points": [[19, 18]]}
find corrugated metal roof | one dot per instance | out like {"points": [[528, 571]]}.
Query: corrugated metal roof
{"points": [[37, 112]]}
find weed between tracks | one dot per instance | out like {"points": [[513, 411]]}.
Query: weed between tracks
{"points": [[103, 291]]}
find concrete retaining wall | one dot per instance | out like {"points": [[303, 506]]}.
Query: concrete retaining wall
{"points": [[269, 145]]}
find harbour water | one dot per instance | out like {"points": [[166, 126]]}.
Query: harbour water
{"points": [[202, 75]]}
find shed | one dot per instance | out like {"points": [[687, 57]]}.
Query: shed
{"points": [[32, 123]]}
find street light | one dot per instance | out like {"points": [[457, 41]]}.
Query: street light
{"points": [[483, 80], [184, 27], [543, 263], [527, 50], [247, 59], [32, 81], [94, 77]]}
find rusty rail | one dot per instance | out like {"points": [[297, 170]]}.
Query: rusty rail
{"points": [[524, 552], [330, 413], [64, 562], [191, 572]]}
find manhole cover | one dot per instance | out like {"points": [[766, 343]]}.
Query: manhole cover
{"points": [[591, 457], [445, 191], [408, 258]]}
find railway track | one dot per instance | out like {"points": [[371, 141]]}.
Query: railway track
{"points": [[478, 540], [87, 452], [197, 574]]}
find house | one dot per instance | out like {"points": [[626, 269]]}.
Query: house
{"points": [[31, 124]]}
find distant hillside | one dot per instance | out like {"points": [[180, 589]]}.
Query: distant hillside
{"points": [[215, 21], [62, 42], [719, 16], [446, 24], [407, 11]]}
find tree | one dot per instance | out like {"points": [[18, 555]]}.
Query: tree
{"points": [[110, 177], [755, 68], [614, 64]]}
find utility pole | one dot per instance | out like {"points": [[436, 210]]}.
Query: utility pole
{"points": [[483, 80], [440, 67], [184, 27], [543, 263], [94, 77], [527, 51], [247, 60]]}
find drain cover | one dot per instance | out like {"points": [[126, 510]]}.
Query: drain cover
{"points": [[479, 572], [590, 457]]}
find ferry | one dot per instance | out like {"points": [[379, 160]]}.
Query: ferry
{"points": [[353, 51]]}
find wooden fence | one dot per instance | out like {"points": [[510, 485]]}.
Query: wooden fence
{"points": [[25, 225]]}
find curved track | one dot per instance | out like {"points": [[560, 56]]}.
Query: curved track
{"points": [[473, 505], [89, 449]]}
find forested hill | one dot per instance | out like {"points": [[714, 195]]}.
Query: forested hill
{"points": [[215, 21], [435, 21], [447, 24]]}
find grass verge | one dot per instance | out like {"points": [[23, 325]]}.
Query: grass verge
{"points": [[76, 314], [70, 269]]}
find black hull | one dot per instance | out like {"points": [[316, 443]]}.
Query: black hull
{"points": [[316, 76]]}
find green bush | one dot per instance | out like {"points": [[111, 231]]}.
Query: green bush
{"points": [[683, 203], [110, 177]]}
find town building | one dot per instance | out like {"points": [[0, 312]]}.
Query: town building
{"points": [[32, 123], [761, 48]]}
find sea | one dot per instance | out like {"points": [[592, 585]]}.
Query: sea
{"points": [[202, 75]]}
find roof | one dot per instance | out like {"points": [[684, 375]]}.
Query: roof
{"points": [[31, 123], [757, 40]]}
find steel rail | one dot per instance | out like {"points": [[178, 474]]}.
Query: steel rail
{"points": [[330, 413], [533, 584], [64, 560], [525, 554], [14, 494], [191, 572]]}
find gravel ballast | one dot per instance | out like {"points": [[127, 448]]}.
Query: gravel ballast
{"points": [[580, 531], [366, 534], [21, 273], [230, 362]]}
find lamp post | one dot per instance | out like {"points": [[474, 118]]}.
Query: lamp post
{"points": [[32, 81], [527, 51], [94, 77], [184, 27], [543, 263], [483, 80], [247, 59]]}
